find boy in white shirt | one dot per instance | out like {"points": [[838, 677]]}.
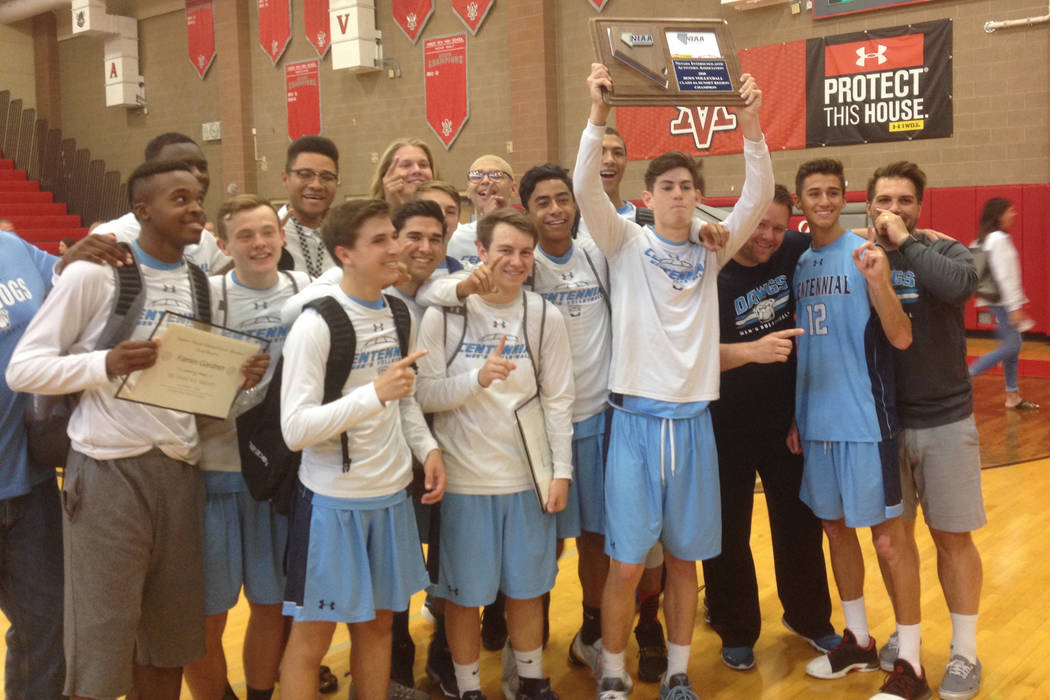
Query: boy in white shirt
{"points": [[662, 469], [244, 539], [132, 494], [353, 550], [505, 347]]}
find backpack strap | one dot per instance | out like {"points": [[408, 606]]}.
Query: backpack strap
{"points": [[402, 323], [644, 216], [341, 351], [459, 311], [224, 304], [201, 292], [128, 300], [605, 292], [452, 264], [533, 356], [291, 278]]}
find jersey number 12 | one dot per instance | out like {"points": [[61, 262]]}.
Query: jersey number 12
{"points": [[817, 315]]}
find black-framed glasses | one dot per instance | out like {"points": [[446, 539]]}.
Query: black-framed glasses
{"points": [[308, 175], [494, 175]]}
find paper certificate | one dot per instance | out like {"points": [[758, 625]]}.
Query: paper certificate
{"points": [[197, 370], [531, 431]]}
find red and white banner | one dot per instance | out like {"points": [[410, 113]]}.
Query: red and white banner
{"points": [[412, 16], [315, 23], [275, 27], [778, 69], [598, 5], [472, 12], [303, 85], [200, 34], [445, 85]]}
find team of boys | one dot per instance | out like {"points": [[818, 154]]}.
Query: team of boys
{"points": [[616, 329]]}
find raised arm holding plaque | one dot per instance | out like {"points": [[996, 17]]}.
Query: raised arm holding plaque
{"points": [[668, 61], [198, 367]]}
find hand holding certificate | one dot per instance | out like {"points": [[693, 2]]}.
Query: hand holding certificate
{"points": [[197, 370]]}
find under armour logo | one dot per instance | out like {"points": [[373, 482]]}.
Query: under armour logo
{"points": [[169, 288], [260, 305], [377, 327], [322, 603], [499, 324], [879, 55], [566, 276], [454, 591], [818, 261]]}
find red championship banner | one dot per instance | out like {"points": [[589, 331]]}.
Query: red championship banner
{"points": [[598, 5], [275, 27], [200, 34], [779, 70], [304, 98], [445, 85], [315, 23], [412, 16], [472, 12]]}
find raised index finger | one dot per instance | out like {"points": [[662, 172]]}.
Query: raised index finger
{"points": [[393, 165], [412, 357], [499, 346]]}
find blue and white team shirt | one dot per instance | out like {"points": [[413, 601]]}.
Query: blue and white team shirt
{"points": [[578, 290], [845, 381], [256, 312], [381, 437], [25, 277], [57, 355]]}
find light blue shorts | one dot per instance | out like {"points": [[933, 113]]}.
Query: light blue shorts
{"points": [[585, 509], [495, 543], [243, 545], [661, 485], [858, 481], [349, 557]]}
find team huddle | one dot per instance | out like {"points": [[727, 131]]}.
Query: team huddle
{"points": [[666, 360]]}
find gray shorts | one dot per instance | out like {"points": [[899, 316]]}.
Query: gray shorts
{"points": [[134, 570], [941, 469]]}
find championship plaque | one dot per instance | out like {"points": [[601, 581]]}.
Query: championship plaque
{"points": [[668, 61]]}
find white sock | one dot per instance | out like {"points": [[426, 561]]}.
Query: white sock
{"points": [[529, 663], [677, 659], [612, 664], [964, 636], [857, 620], [468, 677], [909, 638]]}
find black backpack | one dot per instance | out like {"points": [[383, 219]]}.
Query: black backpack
{"points": [[269, 467], [47, 416]]}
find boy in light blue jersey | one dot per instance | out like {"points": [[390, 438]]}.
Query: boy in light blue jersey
{"points": [[847, 423]]}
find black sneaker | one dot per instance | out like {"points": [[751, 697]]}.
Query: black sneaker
{"points": [[402, 661], [440, 671], [494, 625], [652, 650], [542, 692], [904, 684], [847, 656]]}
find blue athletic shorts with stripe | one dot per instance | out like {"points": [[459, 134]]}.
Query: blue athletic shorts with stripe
{"points": [[495, 543], [349, 557], [661, 485], [858, 481], [243, 545], [585, 509]]}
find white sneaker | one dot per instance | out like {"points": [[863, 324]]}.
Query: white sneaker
{"points": [[581, 654]]}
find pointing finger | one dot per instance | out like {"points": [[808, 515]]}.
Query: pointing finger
{"points": [[406, 361], [393, 165], [789, 333], [499, 347]]}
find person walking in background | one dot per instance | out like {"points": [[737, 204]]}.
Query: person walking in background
{"points": [[1008, 309]]}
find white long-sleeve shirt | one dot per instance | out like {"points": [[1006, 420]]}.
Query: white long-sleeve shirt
{"points": [[475, 425], [256, 312], [380, 436], [664, 294], [576, 290], [57, 355], [1006, 270]]}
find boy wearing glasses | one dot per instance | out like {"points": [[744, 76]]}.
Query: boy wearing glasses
{"points": [[490, 186], [311, 176]]}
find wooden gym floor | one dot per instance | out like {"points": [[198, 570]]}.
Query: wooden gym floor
{"points": [[1014, 627]]}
